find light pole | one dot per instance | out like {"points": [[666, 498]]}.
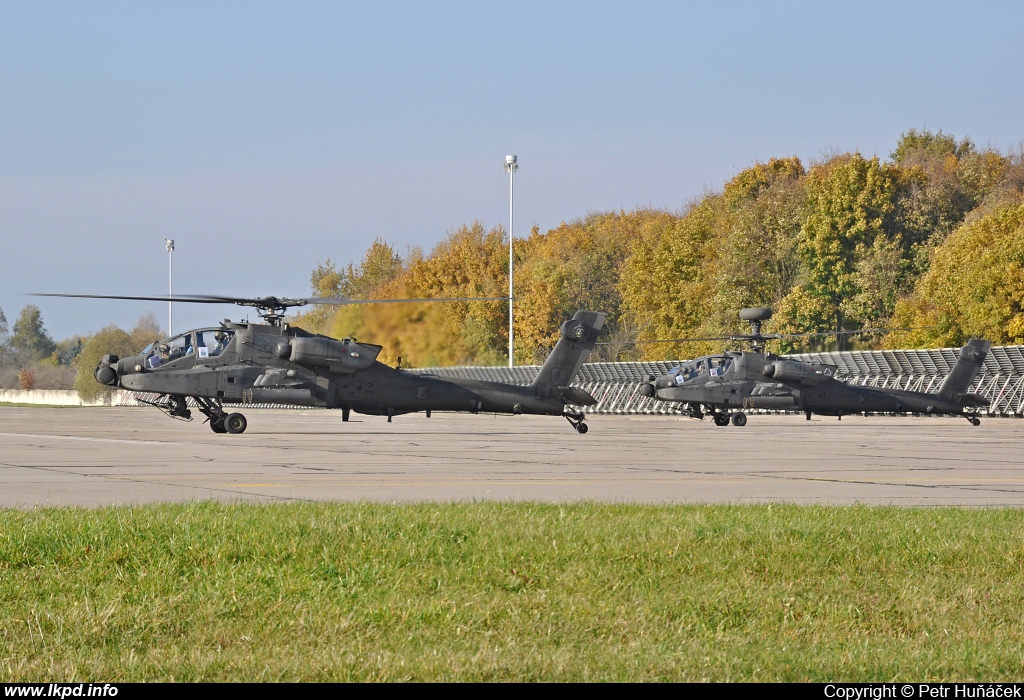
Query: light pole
{"points": [[511, 166], [170, 285]]}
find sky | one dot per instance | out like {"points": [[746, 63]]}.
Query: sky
{"points": [[266, 137]]}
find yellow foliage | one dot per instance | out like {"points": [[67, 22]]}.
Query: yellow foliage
{"points": [[668, 280], [833, 248], [974, 287], [469, 262], [573, 266]]}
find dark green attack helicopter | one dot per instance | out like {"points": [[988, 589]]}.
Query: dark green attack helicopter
{"points": [[274, 363], [721, 386]]}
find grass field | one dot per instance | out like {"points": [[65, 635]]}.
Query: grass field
{"points": [[511, 591]]}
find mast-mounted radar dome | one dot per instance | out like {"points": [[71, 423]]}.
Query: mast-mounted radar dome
{"points": [[755, 314]]}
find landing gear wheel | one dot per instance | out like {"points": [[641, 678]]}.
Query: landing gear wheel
{"points": [[217, 425], [975, 421], [721, 420], [576, 421], [235, 423], [739, 419]]}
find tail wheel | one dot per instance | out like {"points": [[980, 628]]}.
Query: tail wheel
{"points": [[235, 423], [975, 421], [581, 428], [739, 419]]}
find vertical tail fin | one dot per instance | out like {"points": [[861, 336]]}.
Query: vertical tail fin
{"points": [[578, 338], [972, 357]]}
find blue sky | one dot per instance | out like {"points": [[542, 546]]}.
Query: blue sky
{"points": [[266, 137]]}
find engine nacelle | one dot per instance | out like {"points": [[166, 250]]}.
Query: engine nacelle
{"points": [[335, 355], [793, 371]]}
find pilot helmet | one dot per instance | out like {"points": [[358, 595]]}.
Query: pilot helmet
{"points": [[219, 336], [162, 348]]}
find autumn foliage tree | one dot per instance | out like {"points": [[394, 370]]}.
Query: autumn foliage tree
{"points": [[848, 243], [111, 340], [973, 288]]}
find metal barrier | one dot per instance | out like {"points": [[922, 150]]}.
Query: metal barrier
{"points": [[615, 385]]}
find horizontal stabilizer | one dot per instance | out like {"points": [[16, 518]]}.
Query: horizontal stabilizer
{"points": [[975, 401], [575, 395]]}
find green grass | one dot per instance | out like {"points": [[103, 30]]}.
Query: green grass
{"points": [[511, 591]]}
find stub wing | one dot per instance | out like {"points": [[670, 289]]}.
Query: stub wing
{"points": [[577, 396]]}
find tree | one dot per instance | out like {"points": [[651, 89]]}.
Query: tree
{"points": [[109, 339], [974, 287], [147, 330], [30, 337], [573, 266], [69, 349], [5, 340], [913, 142], [112, 340], [849, 208], [840, 246], [469, 262], [940, 180], [380, 266], [758, 261], [668, 280]]}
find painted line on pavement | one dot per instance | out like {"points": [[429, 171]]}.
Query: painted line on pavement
{"points": [[88, 439]]}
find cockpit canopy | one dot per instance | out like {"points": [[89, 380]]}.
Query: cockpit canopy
{"points": [[202, 344], [706, 367]]}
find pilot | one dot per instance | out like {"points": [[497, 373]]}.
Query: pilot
{"points": [[160, 356], [222, 342]]}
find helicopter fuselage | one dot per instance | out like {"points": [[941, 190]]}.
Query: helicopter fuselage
{"points": [[256, 368], [751, 380], [718, 381], [259, 363]]}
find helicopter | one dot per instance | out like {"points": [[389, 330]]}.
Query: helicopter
{"points": [[723, 385], [274, 362]]}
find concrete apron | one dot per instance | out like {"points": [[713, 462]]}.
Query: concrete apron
{"points": [[52, 397]]}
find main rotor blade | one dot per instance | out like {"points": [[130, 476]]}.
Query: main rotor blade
{"points": [[178, 299], [677, 340], [766, 336], [862, 330], [264, 302], [345, 301]]}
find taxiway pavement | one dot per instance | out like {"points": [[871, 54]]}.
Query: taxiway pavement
{"points": [[103, 456]]}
